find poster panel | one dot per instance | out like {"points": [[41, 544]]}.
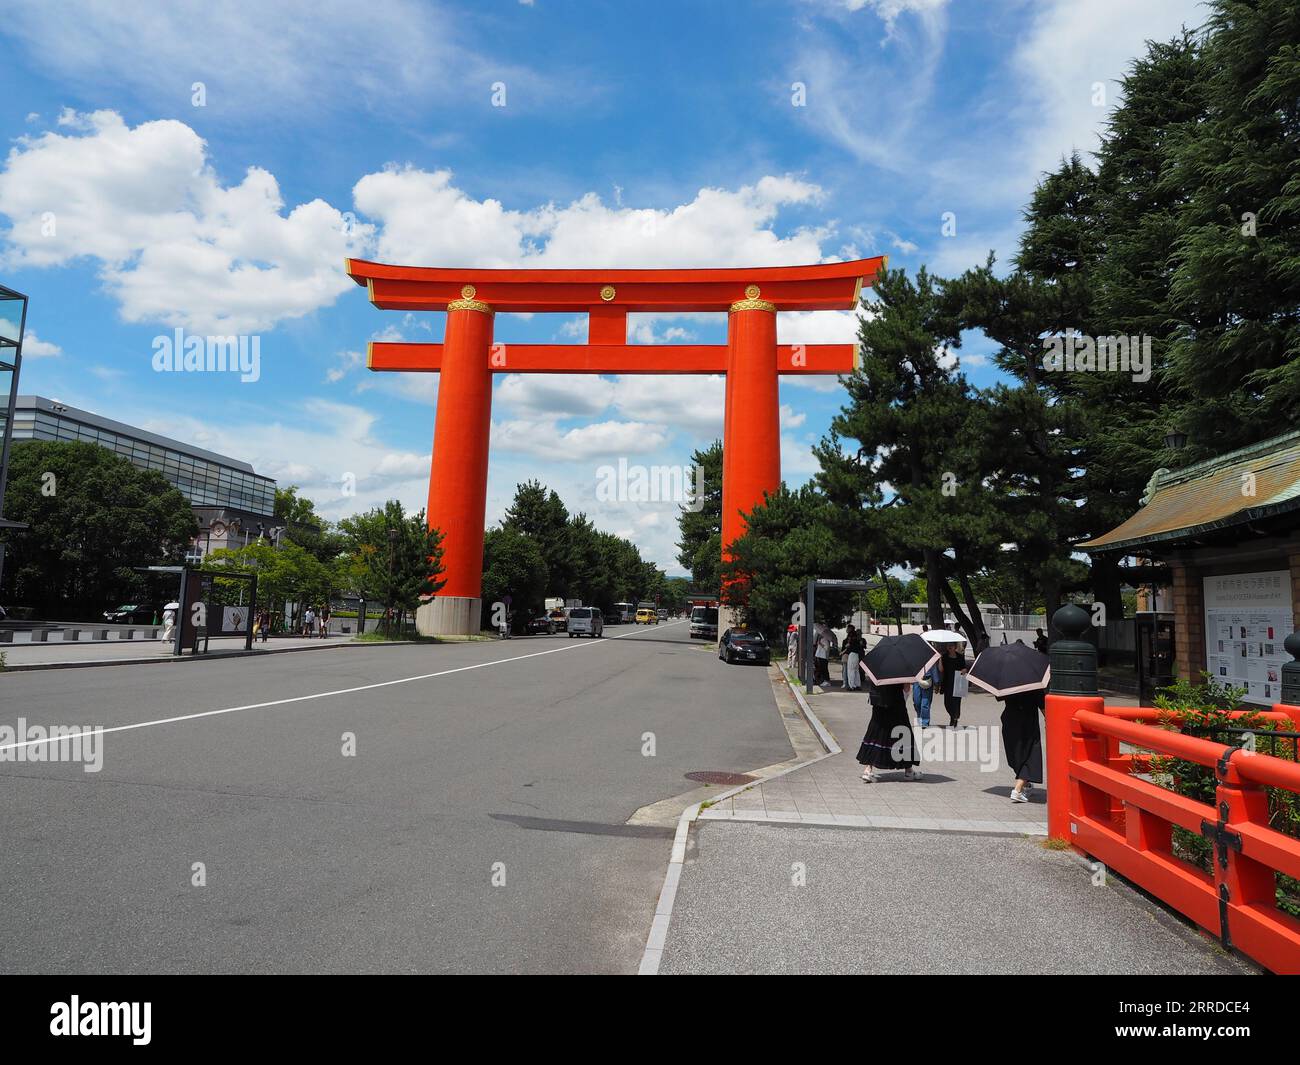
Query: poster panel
{"points": [[1247, 616]]}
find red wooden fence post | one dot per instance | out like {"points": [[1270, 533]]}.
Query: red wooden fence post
{"points": [[1073, 688]]}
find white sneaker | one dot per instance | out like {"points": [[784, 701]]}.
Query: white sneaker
{"points": [[911, 774], [869, 777], [1019, 796]]}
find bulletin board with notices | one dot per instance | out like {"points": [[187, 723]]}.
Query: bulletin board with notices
{"points": [[1247, 616]]}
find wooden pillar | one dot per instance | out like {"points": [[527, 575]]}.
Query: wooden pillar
{"points": [[751, 444], [458, 475]]}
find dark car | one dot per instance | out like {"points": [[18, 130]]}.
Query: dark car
{"points": [[737, 645], [543, 625], [131, 614]]}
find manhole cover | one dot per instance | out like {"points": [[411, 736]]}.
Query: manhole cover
{"points": [[718, 776]]}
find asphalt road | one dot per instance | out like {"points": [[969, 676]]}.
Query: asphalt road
{"points": [[380, 862]]}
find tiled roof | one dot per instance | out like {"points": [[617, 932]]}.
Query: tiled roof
{"points": [[1245, 485]]}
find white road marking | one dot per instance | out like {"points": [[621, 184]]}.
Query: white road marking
{"points": [[329, 694]]}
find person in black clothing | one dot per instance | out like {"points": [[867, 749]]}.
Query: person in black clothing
{"points": [[854, 648], [952, 663], [1040, 644], [1020, 738], [889, 742]]}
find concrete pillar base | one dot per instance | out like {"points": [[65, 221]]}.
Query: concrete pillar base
{"points": [[449, 615]]}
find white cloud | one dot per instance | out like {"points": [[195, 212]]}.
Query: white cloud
{"points": [[1067, 50], [34, 347], [599, 439], [426, 220], [174, 245], [790, 419], [315, 445]]}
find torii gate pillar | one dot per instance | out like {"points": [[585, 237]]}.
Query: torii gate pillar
{"points": [[751, 424], [458, 472]]}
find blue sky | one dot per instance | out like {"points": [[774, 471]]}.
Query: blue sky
{"points": [[632, 134]]}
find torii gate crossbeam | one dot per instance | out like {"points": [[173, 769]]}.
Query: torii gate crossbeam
{"points": [[752, 361]]}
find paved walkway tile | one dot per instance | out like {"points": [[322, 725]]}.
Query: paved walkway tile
{"points": [[781, 898]]}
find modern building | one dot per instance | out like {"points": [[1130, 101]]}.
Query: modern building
{"points": [[233, 505]]}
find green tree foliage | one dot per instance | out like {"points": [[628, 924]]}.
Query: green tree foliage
{"points": [[92, 516], [391, 557], [565, 556], [1235, 290], [513, 566], [304, 527], [922, 430], [700, 547], [789, 539], [285, 574]]}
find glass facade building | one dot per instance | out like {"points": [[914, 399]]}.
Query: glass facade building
{"points": [[205, 478]]}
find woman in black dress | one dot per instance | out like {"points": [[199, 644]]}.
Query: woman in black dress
{"points": [[889, 742], [951, 663], [1021, 741]]}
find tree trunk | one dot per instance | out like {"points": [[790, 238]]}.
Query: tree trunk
{"points": [[933, 587], [966, 624]]}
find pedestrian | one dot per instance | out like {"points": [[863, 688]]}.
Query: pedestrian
{"points": [[1040, 644], [264, 624], [822, 654], [889, 742], [923, 695], [792, 646], [324, 621], [952, 665], [1021, 740], [308, 621], [982, 642], [854, 648]]}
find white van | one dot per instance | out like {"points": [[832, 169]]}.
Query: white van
{"points": [[586, 621], [704, 623]]}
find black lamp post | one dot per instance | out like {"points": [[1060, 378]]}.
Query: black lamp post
{"points": [[1175, 440]]}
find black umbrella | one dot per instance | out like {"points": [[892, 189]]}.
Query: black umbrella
{"points": [[1010, 668], [899, 660]]}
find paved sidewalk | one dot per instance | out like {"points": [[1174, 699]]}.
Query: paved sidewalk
{"points": [[965, 784], [793, 899]]}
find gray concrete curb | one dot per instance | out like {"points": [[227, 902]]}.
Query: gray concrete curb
{"points": [[658, 938]]}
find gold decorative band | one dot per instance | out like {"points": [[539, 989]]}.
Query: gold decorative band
{"points": [[753, 305], [470, 305]]}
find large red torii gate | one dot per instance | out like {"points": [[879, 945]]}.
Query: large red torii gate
{"points": [[467, 358]]}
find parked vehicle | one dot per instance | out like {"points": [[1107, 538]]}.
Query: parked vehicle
{"points": [[543, 625], [131, 614], [704, 623], [586, 621], [612, 618], [646, 616], [740, 645]]}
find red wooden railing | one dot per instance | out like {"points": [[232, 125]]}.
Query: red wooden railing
{"points": [[1098, 804]]}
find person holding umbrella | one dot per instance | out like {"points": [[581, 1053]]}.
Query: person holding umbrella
{"points": [[952, 664], [894, 663], [1017, 676]]}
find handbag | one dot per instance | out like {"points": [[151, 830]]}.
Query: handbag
{"points": [[926, 683], [959, 686]]}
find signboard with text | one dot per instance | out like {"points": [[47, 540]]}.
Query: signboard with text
{"points": [[1247, 616]]}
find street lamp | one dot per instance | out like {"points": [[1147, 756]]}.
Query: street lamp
{"points": [[1175, 440]]}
